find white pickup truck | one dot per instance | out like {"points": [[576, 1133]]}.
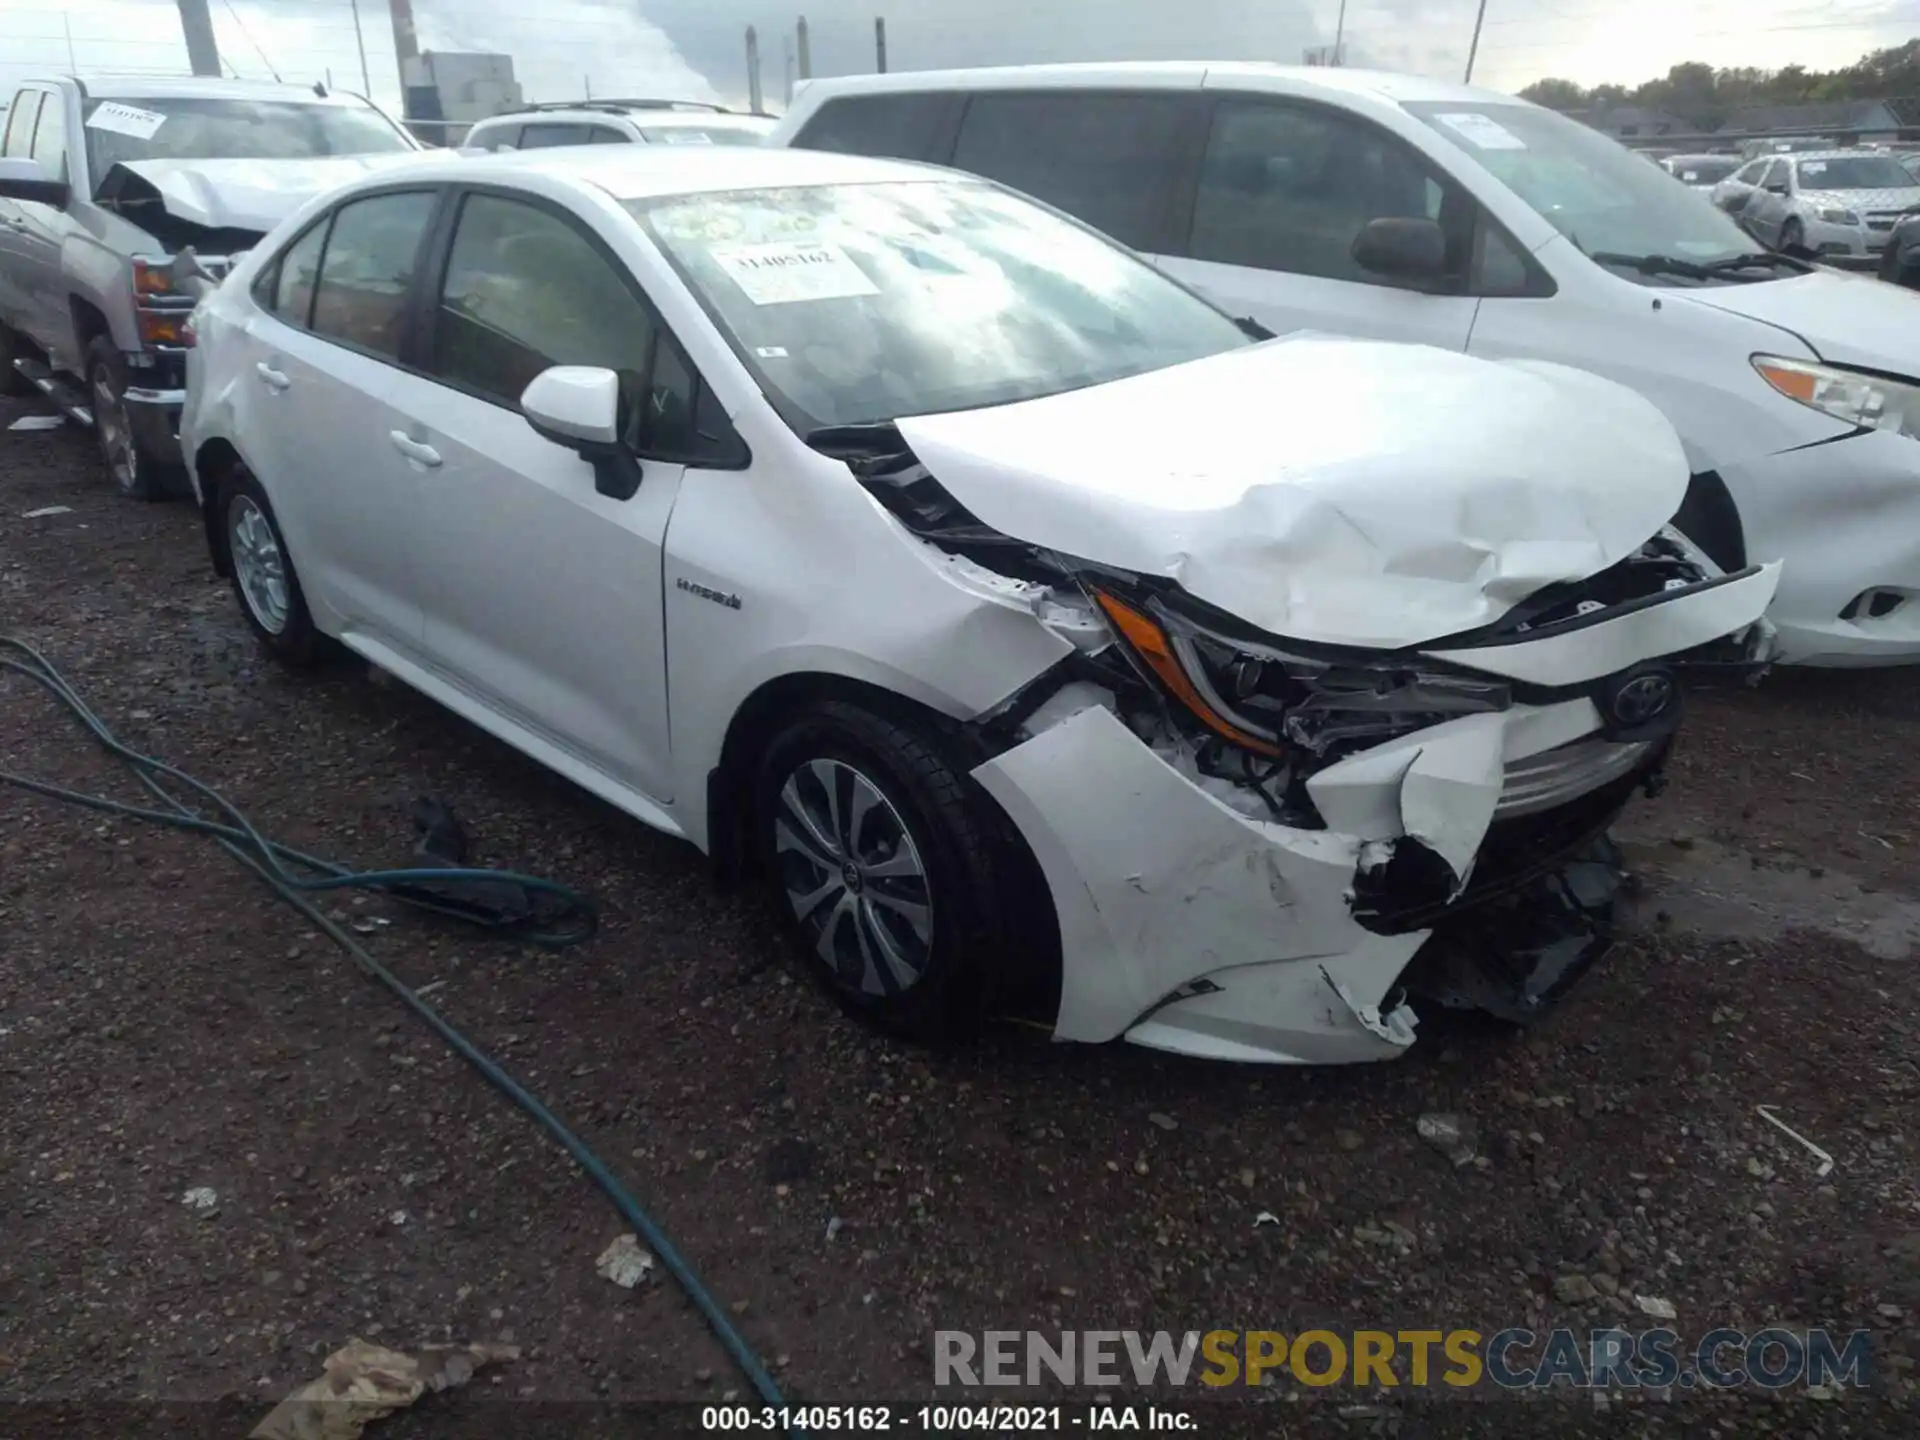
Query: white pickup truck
{"points": [[113, 194]]}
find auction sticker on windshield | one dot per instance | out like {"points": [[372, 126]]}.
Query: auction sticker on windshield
{"points": [[125, 119], [1480, 131], [790, 270]]}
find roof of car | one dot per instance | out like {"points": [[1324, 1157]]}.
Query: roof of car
{"points": [[638, 172], [1378, 83], [1843, 153], [150, 87]]}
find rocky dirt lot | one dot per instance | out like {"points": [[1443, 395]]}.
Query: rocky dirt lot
{"points": [[165, 1025]]}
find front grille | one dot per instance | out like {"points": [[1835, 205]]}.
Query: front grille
{"points": [[1553, 777]]}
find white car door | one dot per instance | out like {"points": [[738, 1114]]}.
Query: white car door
{"points": [[16, 243], [1766, 213], [1284, 190], [314, 401], [542, 595]]}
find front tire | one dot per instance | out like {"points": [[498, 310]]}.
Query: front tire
{"points": [[136, 474], [881, 866], [13, 348], [264, 580]]}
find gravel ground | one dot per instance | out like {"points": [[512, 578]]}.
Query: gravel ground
{"points": [[165, 1025]]}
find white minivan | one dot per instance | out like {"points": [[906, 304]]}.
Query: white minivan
{"points": [[1402, 208]]}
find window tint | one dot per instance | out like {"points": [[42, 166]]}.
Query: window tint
{"points": [[20, 118], [901, 127], [535, 137], [291, 293], [503, 137], [1498, 266], [1102, 158], [1776, 173], [525, 290], [605, 135], [50, 140], [1289, 188], [367, 267], [664, 425], [1750, 174]]}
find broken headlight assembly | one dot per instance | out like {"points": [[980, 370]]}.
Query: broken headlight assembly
{"points": [[1294, 702], [1872, 402]]}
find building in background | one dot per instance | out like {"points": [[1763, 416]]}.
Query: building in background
{"points": [[448, 90]]}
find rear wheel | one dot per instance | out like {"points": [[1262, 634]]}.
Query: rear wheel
{"points": [[263, 575], [882, 866]]}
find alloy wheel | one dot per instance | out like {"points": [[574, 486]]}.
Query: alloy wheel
{"points": [[259, 564], [854, 878], [115, 431]]}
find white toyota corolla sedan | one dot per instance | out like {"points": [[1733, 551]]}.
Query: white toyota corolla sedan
{"points": [[1044, 642]]}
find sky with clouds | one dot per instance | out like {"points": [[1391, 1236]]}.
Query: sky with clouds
{"points": [[695, 49]]}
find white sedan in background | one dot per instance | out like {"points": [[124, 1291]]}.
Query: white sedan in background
{"points": [[1836, 203], [1040, 640]]}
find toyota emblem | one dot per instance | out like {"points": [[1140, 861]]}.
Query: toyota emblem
{"points": [[1643, 699]]}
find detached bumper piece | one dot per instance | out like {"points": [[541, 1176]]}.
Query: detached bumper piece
{"points": [[1516, 955]]}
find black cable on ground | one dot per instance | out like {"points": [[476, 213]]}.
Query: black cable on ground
{"points": [[545, 914]]}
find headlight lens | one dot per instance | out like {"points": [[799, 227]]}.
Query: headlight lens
{"points": [[1839, 217], [1866, 400], [1269, 701]]}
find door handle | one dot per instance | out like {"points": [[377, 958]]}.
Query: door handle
{"points": [[413, 449], [276, 379]]}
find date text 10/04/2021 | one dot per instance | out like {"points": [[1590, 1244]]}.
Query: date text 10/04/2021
{"points": [[944, 1419]]}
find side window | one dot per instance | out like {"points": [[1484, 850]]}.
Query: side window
{"points": [[537, 136], [50, 140], [20, 117], [1107, 159], [504, 137], [286, 286], [525, 290], [367, 268], [1289, 188], [1776, 173], [899, 127], [1498, 266], [605, 135]]}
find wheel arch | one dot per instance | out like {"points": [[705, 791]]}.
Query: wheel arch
{"points": [[755, 724], [212, 463], [1709, 517]]}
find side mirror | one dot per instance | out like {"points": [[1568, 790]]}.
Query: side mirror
{"points": [[1402, 248], [578, 406], [23, 178]]}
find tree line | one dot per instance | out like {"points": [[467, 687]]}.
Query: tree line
{"points": [[1704, 95]]}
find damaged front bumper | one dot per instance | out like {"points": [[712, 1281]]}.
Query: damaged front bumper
{"points": [[1215, 934], [1466, 862]]}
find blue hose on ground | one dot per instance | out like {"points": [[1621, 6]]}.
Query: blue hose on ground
{"points": [[569, 919]]}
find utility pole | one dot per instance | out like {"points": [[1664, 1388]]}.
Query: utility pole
{"points": [[880, 41], [366, 79], [753, 72], [805, 48], [1339, 30], [406, 52], [1474, 49], [203, 51], [786, 66]]}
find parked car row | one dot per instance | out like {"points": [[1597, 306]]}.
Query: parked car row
{"points": [[1040, 634], [1415, 210], [1832, 203]]}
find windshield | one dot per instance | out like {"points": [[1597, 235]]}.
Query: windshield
{"points": [[862, 303], [207, 128], [1601, 196], [1853, 172], [701, 134]]}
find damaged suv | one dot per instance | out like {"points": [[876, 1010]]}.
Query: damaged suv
{"points": [[1043, 641]]}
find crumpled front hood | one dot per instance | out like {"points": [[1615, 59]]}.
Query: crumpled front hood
{"points": [[1847, 319], [253, 194], [1345, 491]]}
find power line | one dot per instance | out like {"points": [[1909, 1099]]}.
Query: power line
{"points": [[250, 40]]}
